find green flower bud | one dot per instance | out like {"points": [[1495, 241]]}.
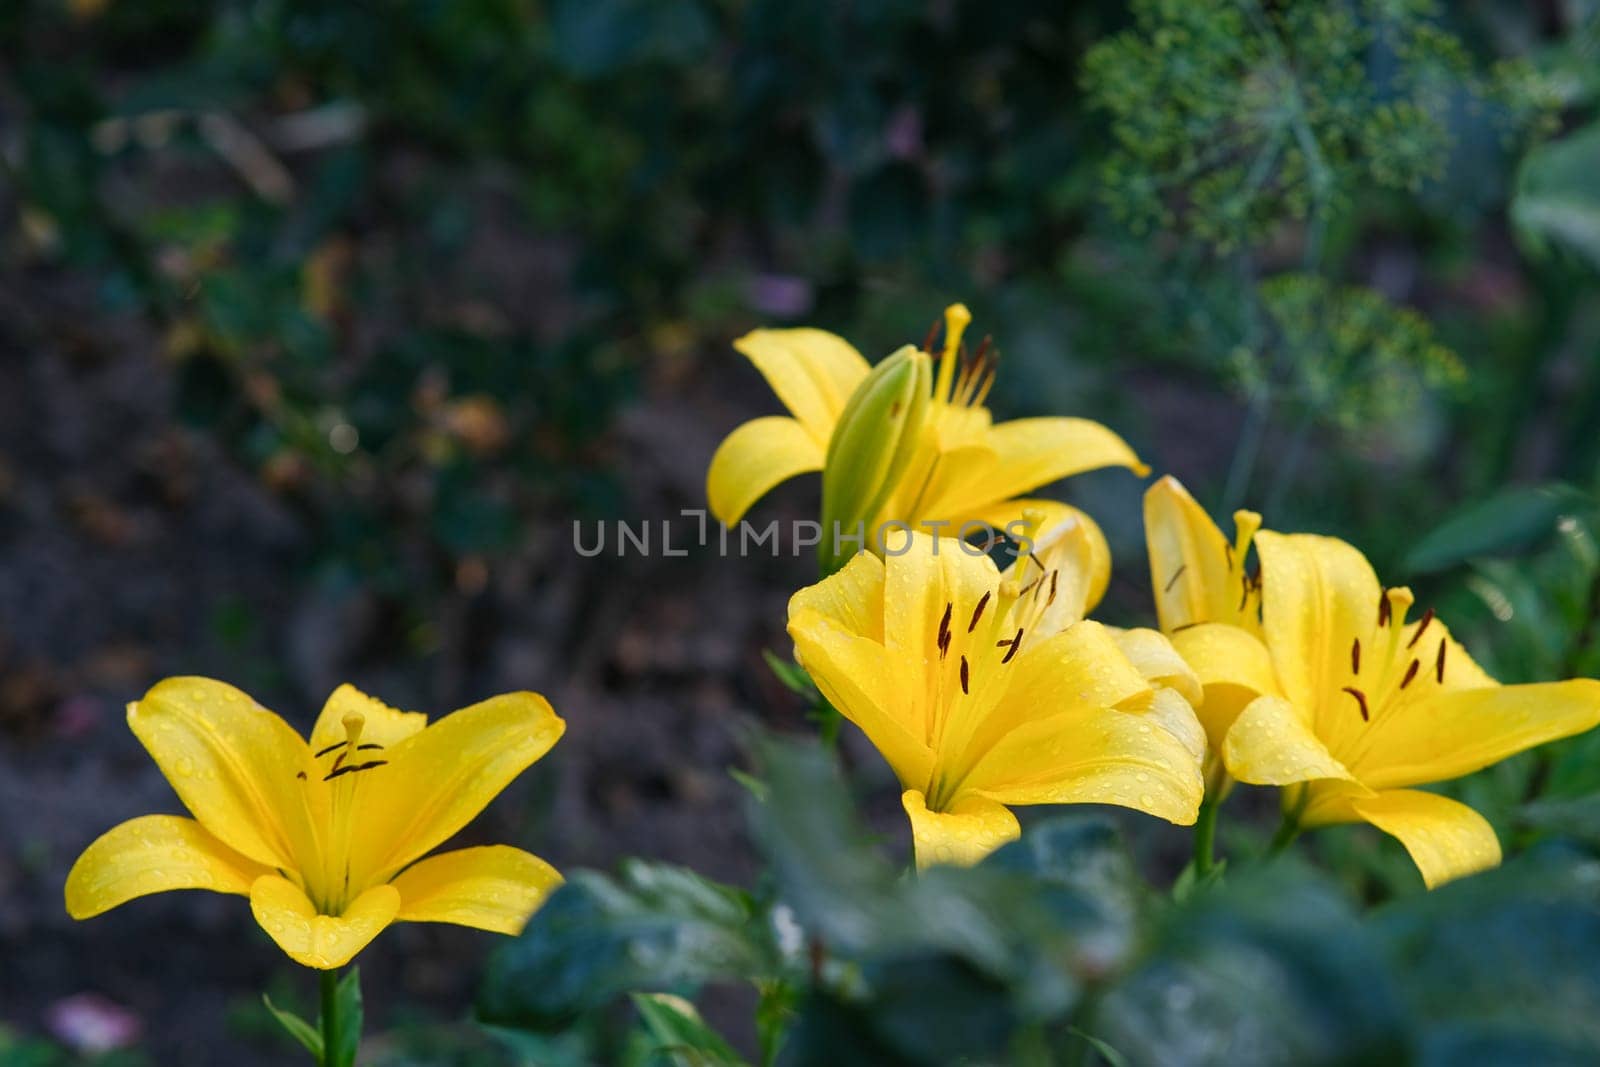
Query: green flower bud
{"points": [[872, 444]]}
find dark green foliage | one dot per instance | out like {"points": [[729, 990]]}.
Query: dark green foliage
{"points": [[1054, 949]]}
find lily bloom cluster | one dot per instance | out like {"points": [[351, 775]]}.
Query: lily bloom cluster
{"points": [[986, 689]]}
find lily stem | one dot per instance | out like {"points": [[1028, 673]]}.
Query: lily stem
{"points": [[1205, 834], [1289, 828], [331, 1035]]}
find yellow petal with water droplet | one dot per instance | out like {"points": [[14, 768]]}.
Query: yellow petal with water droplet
{"points": [[233, 764], [973, 827], [325, 942], [381, 724], [154, 854], [495, 887], [1445, 838], [434, 782]]}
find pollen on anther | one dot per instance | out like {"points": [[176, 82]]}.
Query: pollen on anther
{"points": [[1422, 624], [964, 675], [1439, 666], [1411, 672], [1361, 701], [1355, 656], [1383, 607], [1015, 643], [977, 612]]}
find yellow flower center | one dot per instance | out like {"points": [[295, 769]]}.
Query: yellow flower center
{"points": [[329, 888], [972, 645]]}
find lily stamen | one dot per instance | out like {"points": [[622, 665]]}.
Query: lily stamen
{"points": [[1179, 574], [977, 612], [1411, 672], [1361, 700], [1422, 624]]}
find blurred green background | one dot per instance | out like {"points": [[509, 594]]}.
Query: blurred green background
{"points": [[320, 324]]}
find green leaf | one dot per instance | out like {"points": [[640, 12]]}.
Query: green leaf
{"points": [[1557, 198], [1513, 520], [791, 674], [1268, 969], [347, 995], [1505, 956], [308, 1036], [653, 928], [680, 1033]]}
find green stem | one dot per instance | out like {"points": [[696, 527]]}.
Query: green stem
{"points": [[1289, 828], [1205, 833], [330, 1015]]}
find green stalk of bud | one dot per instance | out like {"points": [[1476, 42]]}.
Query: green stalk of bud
{"points": [[872, 445]]}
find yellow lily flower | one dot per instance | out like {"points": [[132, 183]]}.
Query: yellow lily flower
{"points": [[935, 656], [1208, 603], [326, 838], [960, 466], [1372, 705]]}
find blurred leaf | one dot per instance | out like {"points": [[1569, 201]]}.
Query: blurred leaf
{"points": [[1576, 817], [653, 928], [1508, 955], [308, 1036], [1557, 198], [681, 1034], [1271, 968], [1515, 519], [596, 37]]}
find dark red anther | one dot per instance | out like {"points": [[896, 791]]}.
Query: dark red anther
{"points": [[1411, 672], [1015, 643], [1175, 576], [977, 613], [1438, 668], [1361, 699], [964, 672], [1422, 624], [1355, 656]]}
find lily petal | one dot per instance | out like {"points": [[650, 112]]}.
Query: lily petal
{"points": [[1154, 657], [1272, 743], [381, 724], [152, 854], [1234, 668], [437, 780], [325, 942], [232, 763], [754, 458], [1460, 731], [1446, 839], [1096, 756], [1035, 452], [1068, 538], [1193, 568], [852, 597], [1080, 671], [922, 576], [812, 371], [868, 685], [1319, 596], [494, 887], [973, 827]]}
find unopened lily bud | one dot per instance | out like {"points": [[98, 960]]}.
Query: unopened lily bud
{"points": [[872, 444]]}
